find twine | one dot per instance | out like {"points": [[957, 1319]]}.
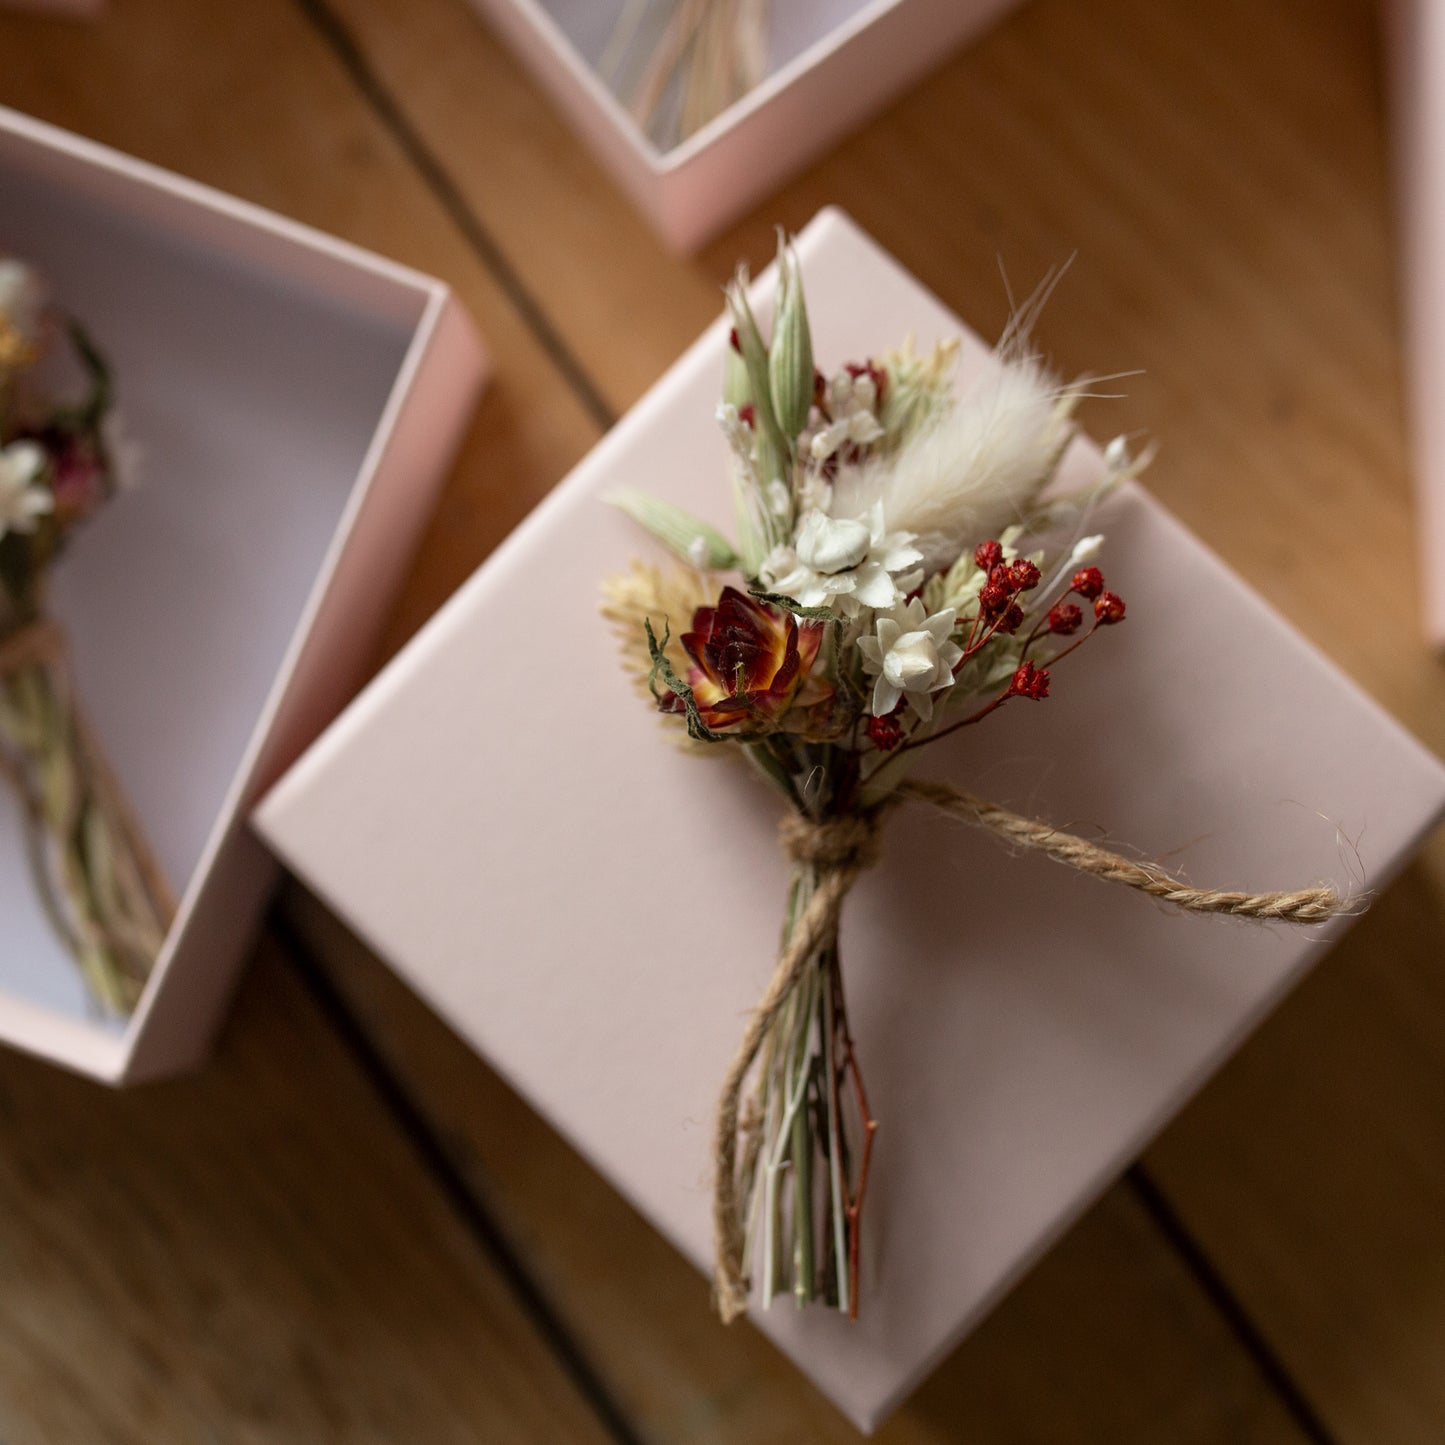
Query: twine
{"points": [[135, 943], [839, 849], [1302, 905]]}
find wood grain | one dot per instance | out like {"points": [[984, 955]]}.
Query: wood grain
{"points": [[252, 1256], [1219, 171]]}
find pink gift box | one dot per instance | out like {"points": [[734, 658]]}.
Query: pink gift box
{"points": [[596, 911], [1417, 56], [831, 64], [295, 403]]}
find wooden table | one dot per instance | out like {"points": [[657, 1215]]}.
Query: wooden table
{"points": [[347, 1228]]}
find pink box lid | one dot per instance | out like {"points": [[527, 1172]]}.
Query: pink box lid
{"points": [[596, 912], [222, 612], [833, 62], [1417, 55]]}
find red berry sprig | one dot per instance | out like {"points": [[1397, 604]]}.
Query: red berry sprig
{"points": [[1030, 681], [885, 733], [1108, 609]]}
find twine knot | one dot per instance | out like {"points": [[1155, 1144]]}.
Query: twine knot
{"points": [[839, 848], [847, 842]]}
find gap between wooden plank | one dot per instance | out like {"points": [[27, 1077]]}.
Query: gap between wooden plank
{"points": [[449, 194], [412, 1122], [1227, 1304]]}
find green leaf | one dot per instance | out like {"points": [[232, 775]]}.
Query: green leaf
{"points": [[773, 445], [697, 729], [87, 415], [788, 604], [679, 531], [790, 359]]}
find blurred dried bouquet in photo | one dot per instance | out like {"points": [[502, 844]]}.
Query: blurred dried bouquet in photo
{"points": [[60, 463], [678, 64], [903, 568]]}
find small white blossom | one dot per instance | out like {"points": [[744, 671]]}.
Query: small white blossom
{"points": [[860, 429], [911, 655], [852, 404], [23, 500], [738, 433], [844, 563]]}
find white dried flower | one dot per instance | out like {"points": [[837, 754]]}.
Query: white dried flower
{"points": [[23, 499], [844, 563], [911, 655], [830, 545]]}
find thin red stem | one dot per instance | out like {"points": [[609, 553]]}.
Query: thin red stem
{"points": [[968, 721], [854, 1206], [1077, 643]]}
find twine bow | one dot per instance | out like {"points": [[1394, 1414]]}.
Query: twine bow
{"points": [[839, 849]]}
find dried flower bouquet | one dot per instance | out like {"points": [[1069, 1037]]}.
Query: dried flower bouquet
{"points": [[906, 572], [678, 64], [59, 464]]}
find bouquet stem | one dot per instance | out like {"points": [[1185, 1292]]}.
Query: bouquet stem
{"points": [[808, 1135], [100, 889]]}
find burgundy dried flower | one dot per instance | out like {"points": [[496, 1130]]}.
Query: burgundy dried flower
{"points": [[1065, 618], [885, 733], [1023, 575], [1088, 582], [1030, 681], [993, 599], [1109, 608], [752, 662], [988, 555]]}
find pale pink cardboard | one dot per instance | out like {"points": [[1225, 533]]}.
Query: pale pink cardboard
{"points": [[1416, 52], [596, 911], [844, 60], [297, 402]]}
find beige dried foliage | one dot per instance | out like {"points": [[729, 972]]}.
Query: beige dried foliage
{"points": [[667, 598]]}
